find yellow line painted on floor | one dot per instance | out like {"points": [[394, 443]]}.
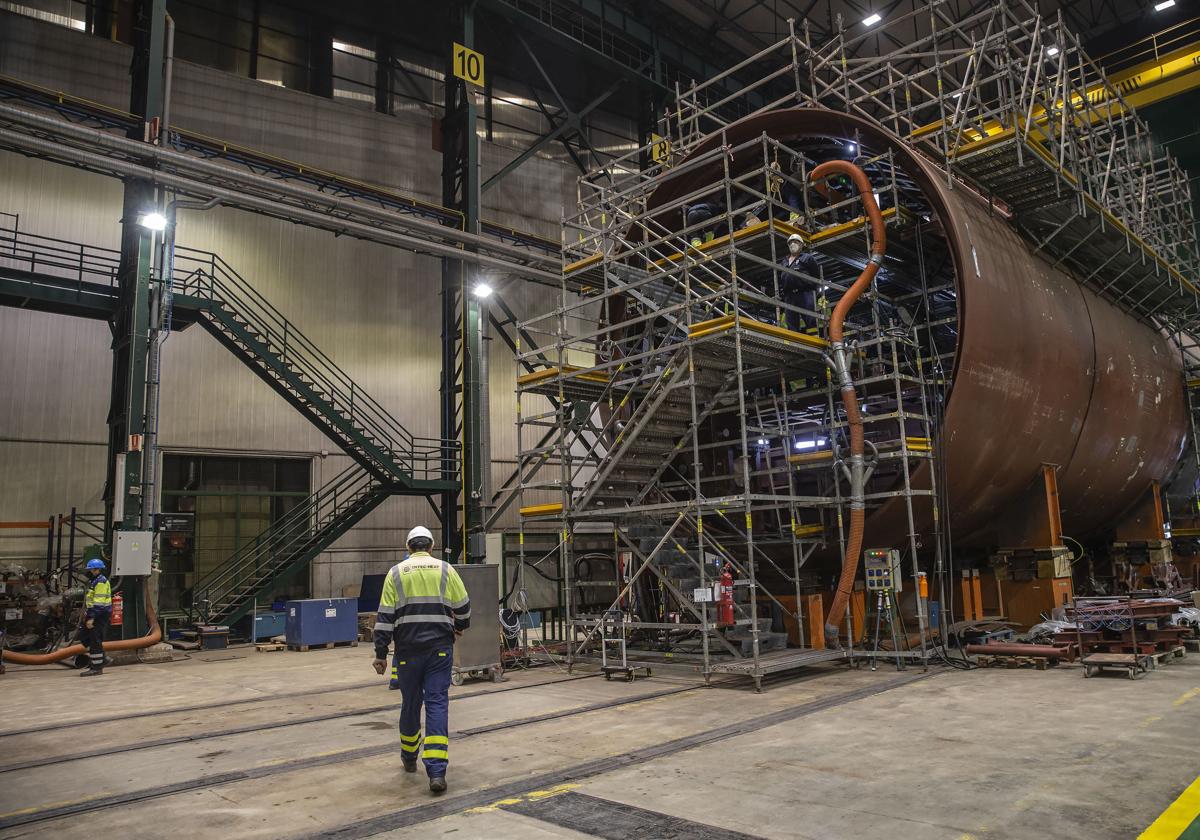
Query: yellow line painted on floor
{"points": [[66, 803], [1173, 822], [532, 796], [1186, 696]]}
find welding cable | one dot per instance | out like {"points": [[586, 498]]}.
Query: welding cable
{"points": [[1082, 551], [534, 566], [151, 638], [841, 361]]}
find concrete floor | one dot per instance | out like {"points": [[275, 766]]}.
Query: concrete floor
{"points": [[306, 745]]}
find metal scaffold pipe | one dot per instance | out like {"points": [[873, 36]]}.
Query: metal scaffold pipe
{"points": [[1104, 399], [841, 365]]}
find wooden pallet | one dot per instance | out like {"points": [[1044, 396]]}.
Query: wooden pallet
{"points": [[1163, 657], [326, 646], [1039, 662], [266, 647]]}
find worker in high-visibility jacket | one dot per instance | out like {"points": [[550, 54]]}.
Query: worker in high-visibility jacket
{"points": [[423, 609], [97, 612]]}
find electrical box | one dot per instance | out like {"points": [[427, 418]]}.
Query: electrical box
{"points": [[882, 569], [133, 552], [494, 554]]}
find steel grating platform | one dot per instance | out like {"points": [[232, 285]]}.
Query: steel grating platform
{"points": [[1074, 231], [779, 660]]}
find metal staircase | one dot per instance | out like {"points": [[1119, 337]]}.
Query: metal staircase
{"points": [[391, 460], [54, 275], [279, 354], [227, 592]]}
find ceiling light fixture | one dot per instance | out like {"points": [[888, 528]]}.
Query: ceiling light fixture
{"points": [[153, 220], [871, 20], [1163, 6]]}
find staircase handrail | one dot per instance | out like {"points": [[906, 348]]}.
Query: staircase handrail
{"points": [[211, 278], [302, 521]]}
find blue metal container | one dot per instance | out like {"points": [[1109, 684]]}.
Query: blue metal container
{"points": [[268, 624], [319, 621]]}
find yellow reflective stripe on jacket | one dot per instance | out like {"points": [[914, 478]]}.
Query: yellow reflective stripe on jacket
{"points": [[99, 594], [422, 603]]}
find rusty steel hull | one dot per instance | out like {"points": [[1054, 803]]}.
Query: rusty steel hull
{"points": [[1046, 371]]}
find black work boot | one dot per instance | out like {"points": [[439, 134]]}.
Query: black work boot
{"points": [[92, 672], [410, 764], [437, 785]]}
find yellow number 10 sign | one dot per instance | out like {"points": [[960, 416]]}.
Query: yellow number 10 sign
{"points": [[468, 65]]}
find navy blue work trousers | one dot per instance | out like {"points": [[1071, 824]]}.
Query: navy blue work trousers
{"points": [[424, 680]]}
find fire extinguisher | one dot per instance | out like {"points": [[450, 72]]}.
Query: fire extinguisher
{"points": [[118, 610], [725, 598]]}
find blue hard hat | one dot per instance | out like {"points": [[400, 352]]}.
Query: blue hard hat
{"points": [[95, 563]]}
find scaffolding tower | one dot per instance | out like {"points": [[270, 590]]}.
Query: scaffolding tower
{"points": [[678, 399], [680, 403]]}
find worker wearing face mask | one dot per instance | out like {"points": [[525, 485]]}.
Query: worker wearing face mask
{"points": [[798, 284]]}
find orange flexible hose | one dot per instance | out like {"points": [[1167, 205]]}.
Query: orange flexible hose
{"points": [[151, 638], [854, 540]]}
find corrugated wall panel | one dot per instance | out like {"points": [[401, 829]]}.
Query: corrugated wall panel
{"points": [[373, 310]]}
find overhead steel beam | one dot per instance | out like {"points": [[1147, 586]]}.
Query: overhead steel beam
{"points": [[358, 222], [235, 188], [549, 28], [572, 123]]}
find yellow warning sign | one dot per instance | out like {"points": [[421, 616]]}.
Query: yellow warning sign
{"points": [[468, 65]]}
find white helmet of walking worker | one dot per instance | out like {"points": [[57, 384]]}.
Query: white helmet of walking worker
{"points": [[418, 533], [795, 243]]}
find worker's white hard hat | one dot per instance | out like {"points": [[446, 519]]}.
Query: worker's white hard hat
{"points": [[418, 533], [795, 237]]}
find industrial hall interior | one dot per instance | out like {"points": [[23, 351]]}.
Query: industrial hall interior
{"points": [[621, 419]]}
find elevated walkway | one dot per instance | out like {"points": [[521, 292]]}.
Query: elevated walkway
{"points": [[57, 276]]}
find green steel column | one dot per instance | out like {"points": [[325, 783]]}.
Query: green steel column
{"points": [[474, 431], [131, 323], [461, 325]]}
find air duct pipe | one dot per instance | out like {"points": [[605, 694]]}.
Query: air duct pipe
{"points": [[841, 370]]}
